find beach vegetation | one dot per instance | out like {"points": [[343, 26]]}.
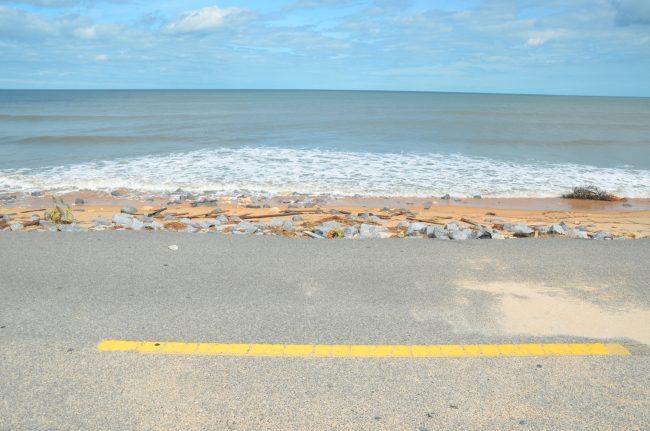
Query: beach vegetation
{"points": [[61, 214], [592, 193]]}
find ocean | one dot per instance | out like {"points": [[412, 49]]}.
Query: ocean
{"points": [[340, 142]]}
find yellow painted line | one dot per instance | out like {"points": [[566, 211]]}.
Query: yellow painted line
{"points": [[365, 351]]}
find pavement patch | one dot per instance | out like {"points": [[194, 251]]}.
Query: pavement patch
{"points": [[365, 351]]}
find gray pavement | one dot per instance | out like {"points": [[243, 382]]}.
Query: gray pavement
{"points": [[61, 294]]}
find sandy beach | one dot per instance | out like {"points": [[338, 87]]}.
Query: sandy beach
{"points": [[297, 215]]}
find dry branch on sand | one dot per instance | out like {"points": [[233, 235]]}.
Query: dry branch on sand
{"points": [[592, 193]]}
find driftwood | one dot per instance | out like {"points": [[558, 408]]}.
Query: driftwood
{"points": [[437, 220], [155, 213], [468, 221], [280, 214], [33, 211]]}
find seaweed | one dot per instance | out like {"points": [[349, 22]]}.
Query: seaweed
{"points": [[592, 193]]}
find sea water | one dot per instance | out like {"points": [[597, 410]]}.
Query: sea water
{"points": [[342, 142]]}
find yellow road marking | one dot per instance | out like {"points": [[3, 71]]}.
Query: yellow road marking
{"points": [[365, 351]]}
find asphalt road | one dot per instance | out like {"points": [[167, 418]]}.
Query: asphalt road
{"points": [[61, 294]]}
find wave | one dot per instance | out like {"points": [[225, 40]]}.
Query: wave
{"points": [[318, 171]]}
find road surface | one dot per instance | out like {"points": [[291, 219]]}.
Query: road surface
{"points": [[61, 295]]}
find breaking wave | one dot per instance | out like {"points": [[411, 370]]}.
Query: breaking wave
{"points": [[317, 171]]}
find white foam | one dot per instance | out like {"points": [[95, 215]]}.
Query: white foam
{"points": [[319, 171]]}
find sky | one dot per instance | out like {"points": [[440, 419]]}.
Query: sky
{"points": [[585, 47]]}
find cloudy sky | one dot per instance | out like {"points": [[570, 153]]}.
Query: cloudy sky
{"points": [[593, 47]]}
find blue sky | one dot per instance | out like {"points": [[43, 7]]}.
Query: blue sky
{"points": [[591, 47]]}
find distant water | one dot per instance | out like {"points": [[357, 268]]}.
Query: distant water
{"points": [[371, 143]]}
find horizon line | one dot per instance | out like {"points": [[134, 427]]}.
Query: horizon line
{"points": [[328, 90]]}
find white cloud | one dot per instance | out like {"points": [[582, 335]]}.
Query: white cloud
{"points": [[541, 37], [202, 20], [101, 57]]}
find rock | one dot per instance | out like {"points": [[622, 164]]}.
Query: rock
{"points": [[170, 217], [518, 229], [190, 229], [332, 224], [297, 218], [364, 216], [276, 222], [543, 230], [47, 224], [581, 234], [484, 233], [313, 235], [557, 229], [461, 235], [374, 219], [296, 205], [428, 205], [446, 197], [8, 198], [403, 224], [16, 227], [35, 217], [128, 210], [101, 221], [117, 192], [122, 219], [478, 197], [234, 218], [349, 232], [416, 228], [36, 193], [222, 219], [74, 227], [254, 206], [154, 225], [245, 228], [367, 231], [601, 235], [452, 226], [216, 211], [173, 247], [79, 201], [437, 232], [136, 224], [5, 217]]}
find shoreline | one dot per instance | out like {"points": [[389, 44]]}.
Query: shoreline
{"points": [[298, 215]]}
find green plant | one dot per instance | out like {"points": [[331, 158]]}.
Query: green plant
{"points": [[61, 214]]}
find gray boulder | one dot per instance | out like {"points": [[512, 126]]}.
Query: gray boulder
{"points": [[367, 231], [403, 224], [461, 235], [437, 232], [74, 227], [558, 229], [454, 225], [46, 223], [518, 229], [16, 227], [416, 228], [349, 232], [601, 235], [577, 233], [101, 221]]}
